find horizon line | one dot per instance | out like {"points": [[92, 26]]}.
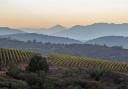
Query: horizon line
{"points": [[62, 25]]}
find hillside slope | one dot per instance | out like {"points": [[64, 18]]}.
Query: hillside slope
{"points": [[87, 63], [40, 38], [46, 31], [82, 50], [110, 41], [7, 31], [14, 56]]}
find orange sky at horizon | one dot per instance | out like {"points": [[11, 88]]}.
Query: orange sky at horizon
{"points": [[47, 13]]}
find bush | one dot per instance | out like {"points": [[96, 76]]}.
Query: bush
{"points": [[6, 83], [53, 83], [34, 80], [13, 71], [74, 87], [96, 74]]}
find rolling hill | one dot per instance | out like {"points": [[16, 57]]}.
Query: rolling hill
{"points": [[46, 31], [86, 63], [110, 41], [81, 50], [7, 31], [41, 38]]}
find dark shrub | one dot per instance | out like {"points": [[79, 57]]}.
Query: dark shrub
{"points": [[96, 74], [6, 83]]}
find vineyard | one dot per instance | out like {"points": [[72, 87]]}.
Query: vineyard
{"points": [[8, 56], [72, 61]]}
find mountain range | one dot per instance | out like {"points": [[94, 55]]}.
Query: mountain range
{"points": [[93, 31], [87, 32], [99, 33]]}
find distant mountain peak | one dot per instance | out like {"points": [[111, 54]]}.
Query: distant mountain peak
{"points": [[58, 26]]}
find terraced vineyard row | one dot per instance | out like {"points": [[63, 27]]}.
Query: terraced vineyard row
{"points": [[71, 61], [8, 56]]}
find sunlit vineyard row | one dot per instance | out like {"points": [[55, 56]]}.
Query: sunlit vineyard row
{"points": [[8, 56], [72, 61]]}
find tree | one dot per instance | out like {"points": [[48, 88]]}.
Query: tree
{"points": [[37, 64]]}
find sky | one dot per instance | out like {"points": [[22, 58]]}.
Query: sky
{"points": [[47, 13]]}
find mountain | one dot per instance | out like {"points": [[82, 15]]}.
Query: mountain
{"points": [[46, 31], [40, 38], [110, 41], [56, 28], [7, 31], [94, 31]]}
